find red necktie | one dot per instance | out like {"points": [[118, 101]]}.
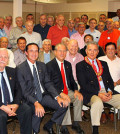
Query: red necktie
{"points": [[95, 69], [64, 81]]}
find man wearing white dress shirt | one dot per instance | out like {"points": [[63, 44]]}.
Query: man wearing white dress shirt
{"points": [[30, 36]]}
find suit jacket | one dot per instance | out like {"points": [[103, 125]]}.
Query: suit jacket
{"points": [[25, 78], [56, 77], [88, 80], [41, 56], [15, 87]]}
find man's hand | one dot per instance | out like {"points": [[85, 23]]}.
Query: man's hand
{"points": [[66, 97], [79, 95], [13, 107], [62, 102], [105, 96], [39, 110], [7, 110]]}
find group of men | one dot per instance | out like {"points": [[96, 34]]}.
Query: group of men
{"points": [[70, 74]]}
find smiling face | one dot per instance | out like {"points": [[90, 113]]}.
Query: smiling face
{"points": [[29, 26], [43, 20], [32, 53], [92, 24], [2, 23], [110, 51], [81, 29], [60, 52], [3, 58], [60, 20], [92, 51], [3, 42], [109, 25], [8, 21], [47, 46], [21, 44]]}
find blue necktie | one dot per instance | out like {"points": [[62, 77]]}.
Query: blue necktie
{"points": [[37, 85], [5, 90]]}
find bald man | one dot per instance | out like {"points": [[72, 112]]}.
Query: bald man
{"points": [[4, 44], [31, 36], [57, 32]]}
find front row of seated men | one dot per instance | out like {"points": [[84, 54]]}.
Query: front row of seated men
{"points": [[54, 87]]}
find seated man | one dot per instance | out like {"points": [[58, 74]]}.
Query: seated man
{"points": [[4, 44], [10, 98], [38, 91], [60, 72], [47, 54], [96, 84], [19, 54]]}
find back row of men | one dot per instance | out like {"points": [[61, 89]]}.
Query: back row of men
{"points": [[106, 31]]}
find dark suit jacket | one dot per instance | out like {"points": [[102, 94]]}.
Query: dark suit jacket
{"points": [[25, 78], [56, 77], [15, 87], [88, 80]]}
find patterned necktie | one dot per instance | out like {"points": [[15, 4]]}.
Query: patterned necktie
{"points": [[5, 90], [95, 69], [64, 81], [37, 85]]}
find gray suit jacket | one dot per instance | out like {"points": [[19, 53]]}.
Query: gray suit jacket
{"points": [[25, 79], [41, 56]]}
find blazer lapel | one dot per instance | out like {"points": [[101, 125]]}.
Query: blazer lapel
{"points": [[39, 71], [57, 68], [28, 71]]}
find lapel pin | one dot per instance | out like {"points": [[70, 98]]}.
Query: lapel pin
{"points": [[10, 78]]}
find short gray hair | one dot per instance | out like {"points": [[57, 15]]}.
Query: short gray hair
{"points": [[63, 39], [92, 43], [45, 40], [60, 44]]}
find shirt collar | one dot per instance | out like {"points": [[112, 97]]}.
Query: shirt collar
{"points": [[30, 64]]}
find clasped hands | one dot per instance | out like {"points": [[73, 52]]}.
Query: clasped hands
{"points": [[105, 97]]}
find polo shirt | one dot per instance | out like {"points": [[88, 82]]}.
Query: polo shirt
{"points": [[109, 37], [55, 34], [43, 31]]}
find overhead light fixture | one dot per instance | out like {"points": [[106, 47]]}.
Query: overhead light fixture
{"points": [[51, 1]]}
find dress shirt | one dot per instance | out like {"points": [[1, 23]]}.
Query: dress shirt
{"points": [[55, 34], [31, 68], [43, 31], [95, 63], [59, 64], [114, 67], [2, 33], [14, 35], [79, 39], [33, 38], [96, 34], [71, 33], [78, 57], [46, 57], [11, 62], [8, 85], [19, 57]]}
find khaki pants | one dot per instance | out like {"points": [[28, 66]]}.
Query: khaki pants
{"points": [[77, 109]]}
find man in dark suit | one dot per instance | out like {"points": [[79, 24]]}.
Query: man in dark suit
{"points": [[96, 84], [66, 87], [10, 98], [38, 90]]}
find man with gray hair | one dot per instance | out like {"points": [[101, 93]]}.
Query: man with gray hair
{"points": [[97, 86], [47, 54], [50, 20], [2, 31], [79, 36], [16, 32]]}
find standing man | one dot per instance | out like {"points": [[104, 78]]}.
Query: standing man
{"points": [[60, 72], [91, 30], [19, 54], [117, 18], [38, 91], [43, 27], [84, 19], [31, 36], [96, 84], [10, 98], [50, 20], [16, 32], [2, 31], [79, 36], [57, 32]]}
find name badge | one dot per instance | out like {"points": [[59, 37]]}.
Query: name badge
{"points": [[108, 38]]}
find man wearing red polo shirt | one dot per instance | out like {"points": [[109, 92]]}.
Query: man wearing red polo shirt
{"points": [[57, 32]]}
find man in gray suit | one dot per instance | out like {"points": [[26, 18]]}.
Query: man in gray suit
{"points": [[38, 91]]}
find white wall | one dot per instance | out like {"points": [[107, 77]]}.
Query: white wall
{"points": [[113, 6]]}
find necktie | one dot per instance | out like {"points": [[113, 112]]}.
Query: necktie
{"points": [[64, 81], [95, 69], [5, 90], [37, 85]]}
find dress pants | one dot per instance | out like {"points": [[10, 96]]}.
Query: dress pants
{"points": [[24, 115], [77, 108], [48, 101], [97, 107]]}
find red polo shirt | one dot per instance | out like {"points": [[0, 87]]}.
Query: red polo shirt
{"points": [[109, 37], [55, 34]]}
